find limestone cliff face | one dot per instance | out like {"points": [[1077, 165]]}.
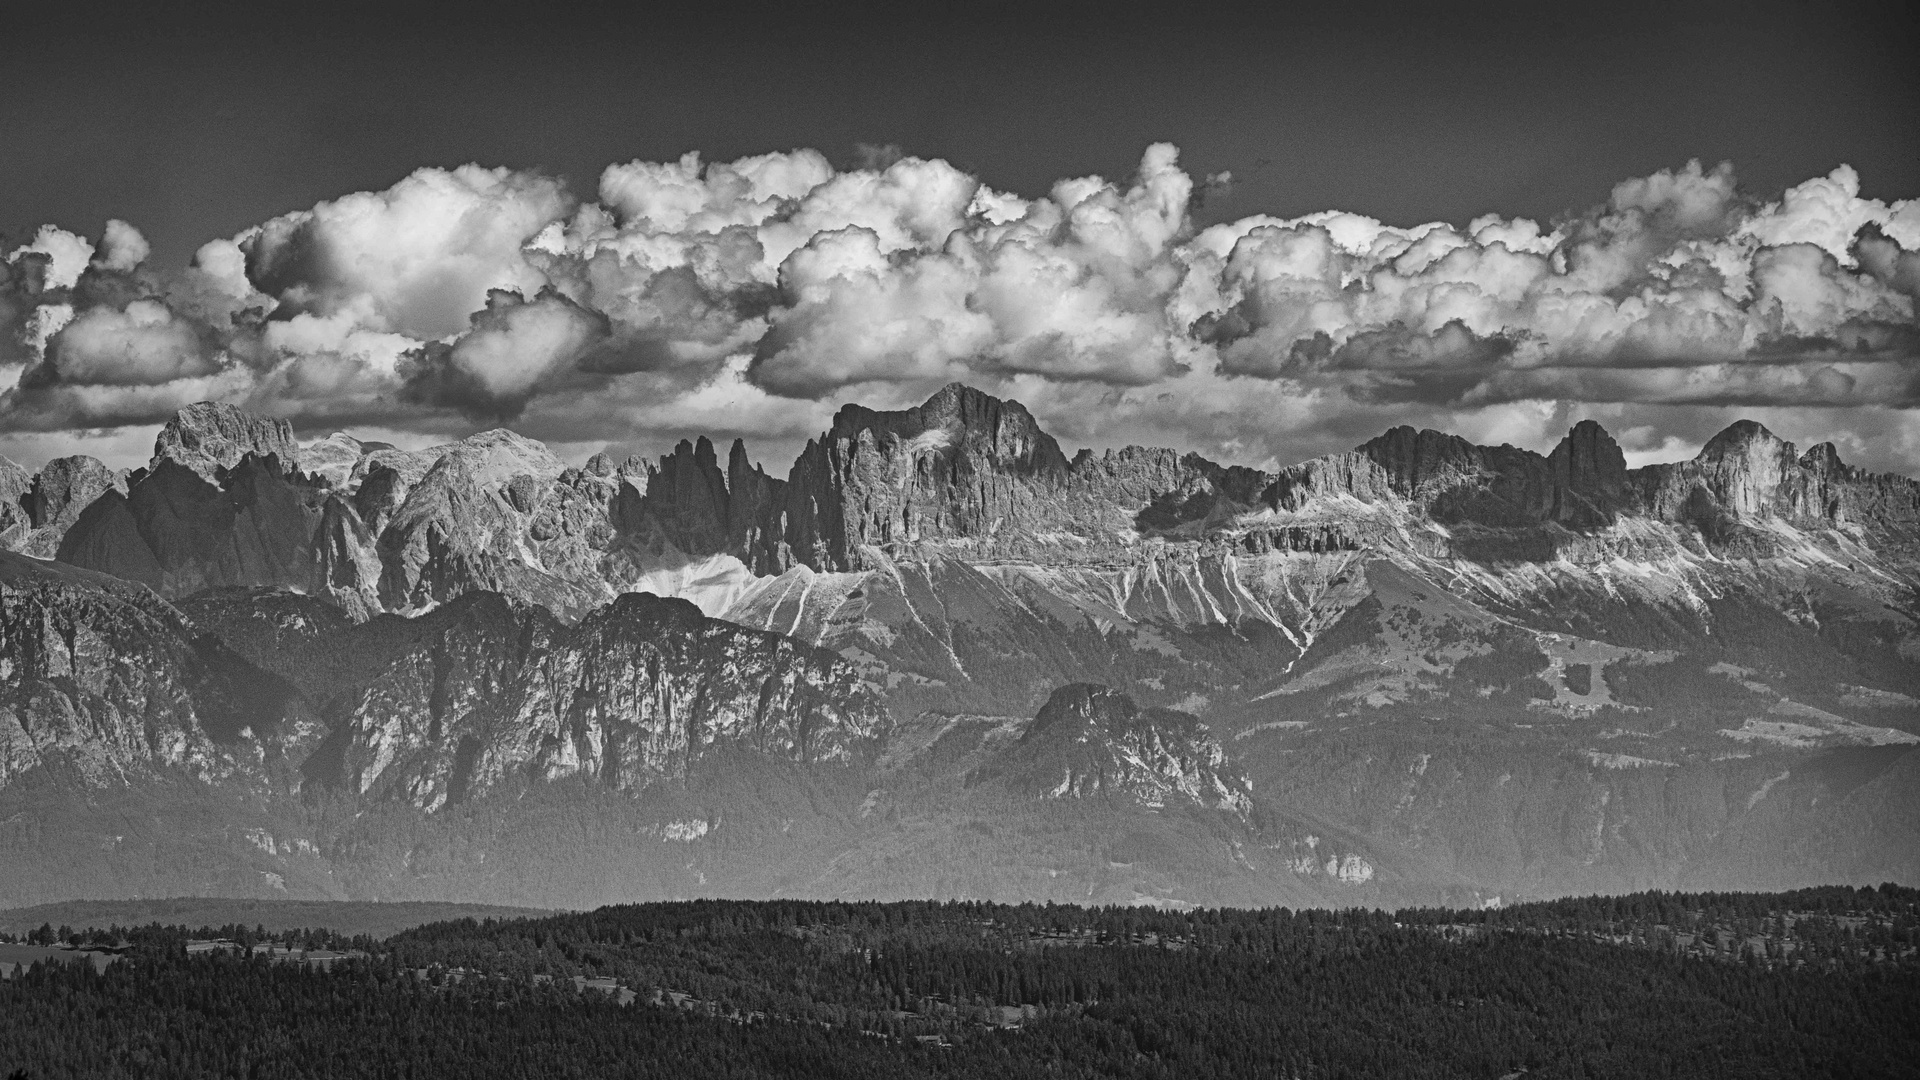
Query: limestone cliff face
{"points": [[1090, 740], [1414, 648], [1582, 484], [686, 500], [963, 466], [395, 530], [1746, 477], [490, 693], [211, 436], [964, 476], [36, 510], [1354, 475], [101, 678], [381, 481], [332, 459], [1457, 481], [180, 532], [15, 522], [497, 512], [1589, 475]]}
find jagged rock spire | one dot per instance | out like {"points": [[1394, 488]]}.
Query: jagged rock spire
{"points": [[209, 436]]}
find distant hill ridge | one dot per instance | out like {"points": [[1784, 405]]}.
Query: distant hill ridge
{"points": [[345, 917]]}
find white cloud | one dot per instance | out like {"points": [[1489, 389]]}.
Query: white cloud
{"points": [[69, 254], [416, 259], [513, 346], [754, 294], [122, 247], [144, 344]]}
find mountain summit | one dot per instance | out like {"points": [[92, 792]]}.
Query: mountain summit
{"points": [[940, 657]]}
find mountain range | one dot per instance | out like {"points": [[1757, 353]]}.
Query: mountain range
{"points": [[940, 657]]}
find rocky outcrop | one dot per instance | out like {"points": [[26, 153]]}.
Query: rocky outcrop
{"points": [[398, 530], [1353, 475], [36, 510], [1589, 478], [333, 459], [210, 436], [498, 512], [1457, 481], [1746, 477], [65, 487], [964, 467], [101, 679], [485, 692], [180, 532], [381, 481], [1457, 665], [1089, 741], [688, 502], [15, 521], [964, 476]]}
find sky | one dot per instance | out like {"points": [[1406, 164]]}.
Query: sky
{"points": [[1263, 233]]}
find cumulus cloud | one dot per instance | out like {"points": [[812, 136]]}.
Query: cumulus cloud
{"points": [[67, 255], [493, 369], [143, 344], [416, 259], [1076, 285], [1678, 288], [759, 293], [122, 247]]}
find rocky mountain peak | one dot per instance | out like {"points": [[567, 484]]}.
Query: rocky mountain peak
{"points": [[1458, 481], [64, 488], [668, 614], [15, 483], [1744, 468], [961, 420], [1748, 438], [960, 466], [1823, 458], [1589, 476], [1416, 458], [1747, 474], [332, 458], [687, 500], [37, 510], [490, 458], [209, 436], [1090, 740]]}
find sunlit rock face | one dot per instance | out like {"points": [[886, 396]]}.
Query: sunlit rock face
{"points": [[37, 509], [208, 437], [497, 512], [141, 753], [1421, 668], [487, 693], [1088, 741], [102, 680], [963, 466]]}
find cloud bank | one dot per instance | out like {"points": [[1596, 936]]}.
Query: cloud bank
{"points": [[753, 296]]}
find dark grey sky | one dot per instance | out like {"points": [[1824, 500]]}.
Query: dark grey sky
{"points": [[195, 126], [196, 121]]}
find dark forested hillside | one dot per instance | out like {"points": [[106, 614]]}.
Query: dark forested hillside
{"points": [[1578, 988]]}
